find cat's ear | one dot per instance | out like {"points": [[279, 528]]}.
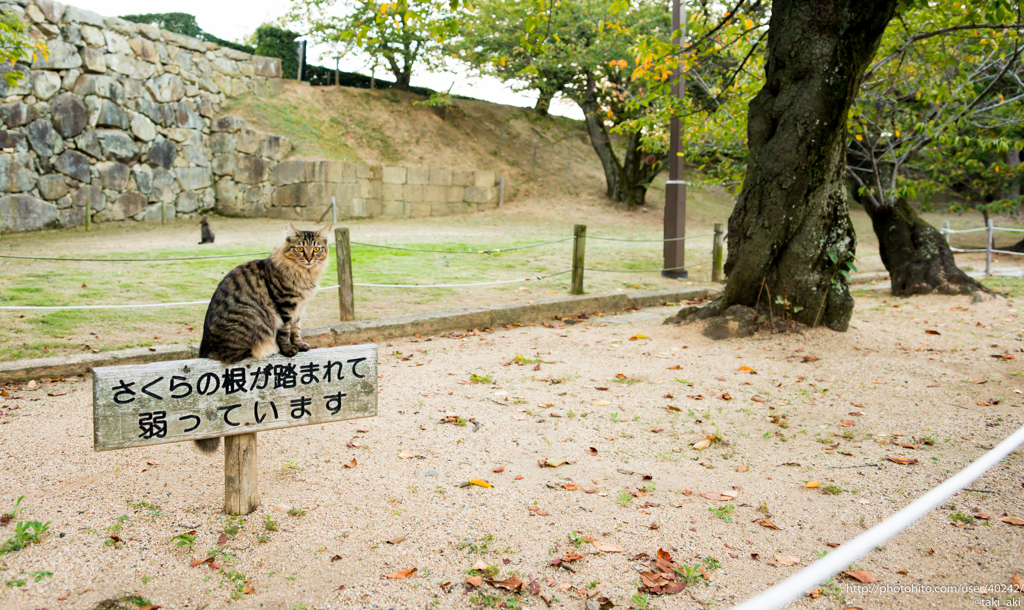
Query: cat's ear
{"points": [[290, 232], [324, 233]]}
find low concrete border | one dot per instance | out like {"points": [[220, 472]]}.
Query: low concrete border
{"points": [[432, 323]]}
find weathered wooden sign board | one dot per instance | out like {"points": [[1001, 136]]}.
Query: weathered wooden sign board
{"points": [[169, 402]]}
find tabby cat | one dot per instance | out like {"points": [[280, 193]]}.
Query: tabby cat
{"points": [[257, 308]]}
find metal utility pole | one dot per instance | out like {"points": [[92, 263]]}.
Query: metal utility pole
{"points": [[675, 188]]}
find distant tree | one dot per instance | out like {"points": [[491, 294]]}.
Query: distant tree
{"points": [[401, 35], [582, 50], [17, 45]]}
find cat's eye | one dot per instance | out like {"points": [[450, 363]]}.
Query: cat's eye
{"points": [[299, 249], [316, 249]]}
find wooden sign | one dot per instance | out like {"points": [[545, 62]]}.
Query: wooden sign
{"points": [[169, 402]]}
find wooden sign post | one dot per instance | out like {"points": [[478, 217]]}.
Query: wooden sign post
{"points": [[170, 402]]}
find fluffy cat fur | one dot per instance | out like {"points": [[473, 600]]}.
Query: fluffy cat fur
{"points": [[257, 308]]}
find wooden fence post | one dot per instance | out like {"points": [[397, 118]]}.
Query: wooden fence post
{"points": [[343, 256], [988, 248], [88, 214], [570, 176], [579, 246], [533, 164], [334, 209], [945, 230], [163, 213], [240, 474], [501, 191], [717, 253]]}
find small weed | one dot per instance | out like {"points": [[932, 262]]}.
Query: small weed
{"points": [[641, 600], [474, 378], [624, 499], [187, 539], [263, 539], [592, 584], [296, 512], [962, 518], [724, 512], [269, 524], [831, 490], [233, 525], [690, 575], [129, 601], [17, 582], [685, 382], [576, 540], [293, 466], [710, 563], [25, 533]]}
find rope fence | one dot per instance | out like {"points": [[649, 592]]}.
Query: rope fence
{"points": [[836, 561], [989, 250], [343, 256]]}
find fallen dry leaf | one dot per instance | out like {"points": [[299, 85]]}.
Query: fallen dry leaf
{"points": [[901, 460], [397, 539], [499, 469], [513, 583], [351, 464], [475, 581], [635, 337], [592, 451], [741, 468], [196, 562], [480, 483], [480, 565], [768, 523], [861, 575], [552, 462], [846, 423], [401, 573], [702, 444], [747, 369], [600, 403], [720, 496], [605, 547], [811, 484], [1012, 520], [932, 332], [787, 560], [405, 455]]}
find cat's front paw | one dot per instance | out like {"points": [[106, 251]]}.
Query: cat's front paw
{"points": [[289, 350], [303, 346]]}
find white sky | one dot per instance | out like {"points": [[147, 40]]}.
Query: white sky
{"points": [[232, 20]]}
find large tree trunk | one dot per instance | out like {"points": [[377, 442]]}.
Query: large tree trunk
{"points": [[916, 255], [792, 211], [599, 138]]}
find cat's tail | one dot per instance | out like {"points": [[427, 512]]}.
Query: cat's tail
{"points": [[208, 446]]}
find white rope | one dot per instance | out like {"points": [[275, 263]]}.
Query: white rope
{"points": [[139, 306], [838, 560], [965, 230], [1008, 230], [1006, 252], [494, 283]]}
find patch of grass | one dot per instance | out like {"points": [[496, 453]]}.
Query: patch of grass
{"points": [[187, 539], [831, 490], [723, 512], [961, 517], [625, 499], [474, 378], [296, 512], [128, 601], [269, 524], [25, 533]]}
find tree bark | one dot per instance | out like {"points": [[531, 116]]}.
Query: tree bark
{"points": [[792, 211], [916, 255], [543, 102]]}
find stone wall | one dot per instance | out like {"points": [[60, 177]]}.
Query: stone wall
{"points": [[253, 181], [118, 117]]}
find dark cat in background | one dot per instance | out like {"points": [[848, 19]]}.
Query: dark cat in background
{"points": [[257, 308], [206, 232]]}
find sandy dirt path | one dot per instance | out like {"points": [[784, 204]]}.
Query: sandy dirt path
{"points": [[815, 405]]}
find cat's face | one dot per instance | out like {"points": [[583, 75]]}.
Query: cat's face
{"points": [[306, 249]]}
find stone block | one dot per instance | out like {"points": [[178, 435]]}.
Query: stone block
{"points": [[62, 56], [248, 141], [100, 85], [17, 173], [52, 187], [156, 213], [267, 88], [393, 192], [90, 196], [144, 49], [20, 87], [413, 193], [52, 10], [207, 199], [143, 128], [367, 171], [303, 194], [392, 208], [225, 165], [143, 175], [45, 84], [274, 147], [228, 123], [26, 213], [419, 210], [369, 189], [117, 145], [288, 172], [226, 66], [73, 14], [71, 217], [183, 41], [187, 118], [121, 26], [192, 178], [151, 32], [418, 175], [193, 137], [105, 113], [445, 209], [92, 36], [359, 208], [187, 202], [15, 115], [285, 213], [479, 194], [133, 89], [394, 175], [435, 194], [88, 143], [196, 155], [483, 178], [13, 140], [44, 138], [461, 177], [162, 153], [166, 87], [111, 175], [228, 196], [117, 42], [440, 176], [455, 194], [68, 114], [251, 170], [74, 164], [266, 66], [93, 60], [165, 186]]}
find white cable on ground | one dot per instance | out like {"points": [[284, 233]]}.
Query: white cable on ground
{"points": [[838, 560]]}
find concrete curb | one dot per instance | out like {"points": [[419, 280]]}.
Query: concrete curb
{"points": [[433, 323]]}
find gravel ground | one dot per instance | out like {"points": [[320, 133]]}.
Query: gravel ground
{"points": [[623, 399]]}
